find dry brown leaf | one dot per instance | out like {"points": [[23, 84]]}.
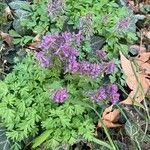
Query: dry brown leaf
{"points": [[110, 117], [137, 82], [37, 38], [144, 57], [6, 37], [128, 71], [8, 12], [145, 67], [109, 124], [146, 33], [34, 45]]}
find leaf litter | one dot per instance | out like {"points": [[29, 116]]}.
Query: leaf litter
{"points": [[137, 72]]}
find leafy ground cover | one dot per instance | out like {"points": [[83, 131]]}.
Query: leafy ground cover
{"points": [[74, 75]]}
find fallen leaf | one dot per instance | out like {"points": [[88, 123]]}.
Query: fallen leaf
{"points": [[146, 33], [128, 71], [6, 37], [144, 67], [111, 114], [34, 45], [8, 12], [144, 57], [37, 38], [110, 117], [136, 81], [109, 124]]}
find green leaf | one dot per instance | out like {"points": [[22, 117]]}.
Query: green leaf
{"points": [[27, 39], [13, 33], [16, 41], [4, 142], [17, 4], [22, 14], [3, 89], [55, 85], [40, 139], [26, 6], [97, 42]]}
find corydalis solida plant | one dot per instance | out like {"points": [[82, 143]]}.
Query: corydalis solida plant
{"points": [[65, 47], [109, 92]]}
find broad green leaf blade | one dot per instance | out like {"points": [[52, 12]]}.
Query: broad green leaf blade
{"points": [[4, 142], [40, 139], [97, 42]]}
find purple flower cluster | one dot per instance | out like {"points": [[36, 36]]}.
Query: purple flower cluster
{"points": [[99, 95], [63, 45], [90, 69], [109, 92], [83, 68], [56, 41], [110, 67], [55, 7], [107, 67], [68, 52], [101, 54], [112, 90], [53, 42], [123, 23], [44, 61], [73, 65], [60, 95]]}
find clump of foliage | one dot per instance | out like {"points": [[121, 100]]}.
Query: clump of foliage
{"points": [[27, 109], [103, 19], [54, 96], [50, 103]]}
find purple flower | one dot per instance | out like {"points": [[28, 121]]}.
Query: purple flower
{"points": [[84, 67], [110, 67], [112, 92], [60, 95], [112, 88], [101, 53], [95, 70], [68, 51], [44, 60], [67, 36], [99, 95], [123, 23], [73, 66], [114, 98], [55, 7], [78, 37], [109, 92], [48, 41]]}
